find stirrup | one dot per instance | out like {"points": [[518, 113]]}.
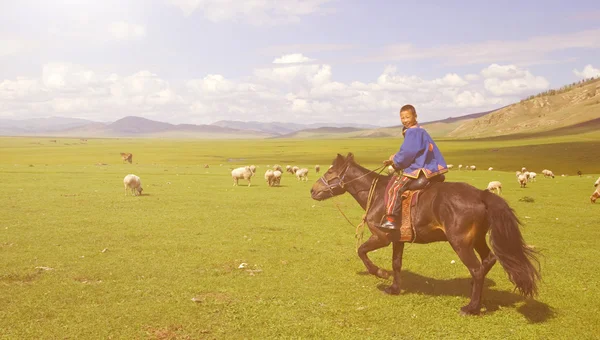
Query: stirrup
{"points": [[388, 226]]}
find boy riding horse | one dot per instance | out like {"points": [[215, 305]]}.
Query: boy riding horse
{"points": [[421, 161]]}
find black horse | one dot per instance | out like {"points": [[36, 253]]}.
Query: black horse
{"points": [[455, 212]]}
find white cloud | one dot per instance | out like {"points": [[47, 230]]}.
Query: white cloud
{"points": [[510, 80], [292, 59], [588, 71], [122, 30], [255, 12], [529, 50]]}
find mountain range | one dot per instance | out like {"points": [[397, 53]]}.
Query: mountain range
{"points": [[574, 108]]}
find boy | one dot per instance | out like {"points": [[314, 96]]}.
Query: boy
{"points": [[421, 161]]}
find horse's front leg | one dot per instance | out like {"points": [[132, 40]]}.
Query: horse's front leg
{"points": [[396, 267], [371, 244]]}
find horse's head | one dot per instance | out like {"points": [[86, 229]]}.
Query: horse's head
{"points": [[332, 182]]}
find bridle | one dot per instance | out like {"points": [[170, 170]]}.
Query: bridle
{"points": [[340, 177]]}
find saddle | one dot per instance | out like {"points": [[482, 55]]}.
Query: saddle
{"points": [[407, 230]]}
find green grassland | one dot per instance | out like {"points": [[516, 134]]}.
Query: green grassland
{"points": [[127, 267]]}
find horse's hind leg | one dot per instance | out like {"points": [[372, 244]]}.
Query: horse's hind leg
{"points": [[371, 244], [467, 256], [488, 259]]}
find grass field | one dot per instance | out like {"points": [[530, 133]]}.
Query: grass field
{"points": [[125, 267]]}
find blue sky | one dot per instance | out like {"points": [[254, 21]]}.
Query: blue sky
{"points": [[200, 61]]}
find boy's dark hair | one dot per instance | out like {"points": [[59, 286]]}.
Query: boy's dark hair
{"points": [[410, 109]]}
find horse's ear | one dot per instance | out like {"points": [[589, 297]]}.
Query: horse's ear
{"points": [[350, 156]]}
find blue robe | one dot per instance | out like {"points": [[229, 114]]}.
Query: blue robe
{"points": [[419, 153]]}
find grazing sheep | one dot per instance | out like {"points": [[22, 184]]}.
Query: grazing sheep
{"points": [[473, 167], [450, 166], [459, 166], [302, 174], [253, 168], [390, 170], [295, 169], [242, 172], [317, 168], [277, 167], [522, 179], [532, 176], [490, 168], [495, 185], [288, 168], [277, 177], [269, 177], [133, 183], [595, 195], [548, 173]]}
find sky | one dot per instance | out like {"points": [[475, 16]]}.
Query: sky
{"points": [[301, 61]]}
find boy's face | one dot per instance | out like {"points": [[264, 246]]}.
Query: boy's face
{"points": [[407, 119]]}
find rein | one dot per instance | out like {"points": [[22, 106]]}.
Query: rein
{"points": [[360, 228]]}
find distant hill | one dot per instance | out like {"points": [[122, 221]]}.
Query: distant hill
{"points": [[571, 108], [322, 132], [279, 128]]}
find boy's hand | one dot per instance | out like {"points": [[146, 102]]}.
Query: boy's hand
{"points": [[388, 162]]}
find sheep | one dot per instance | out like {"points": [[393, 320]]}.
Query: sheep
{"points": [[276, 177], [277, 167], [595, 195], [127, 157], [522, 179], [548, 173], [495, 185], [295, 169], [390, 170], [242, 172], [532, 176], [523, 169], [459, 166], [450, 166], [473, 167], [253, 168], [269, 177], [490, 168], [288, 168], [205, 166], [302, 174], [317, 168], [133, 183]]}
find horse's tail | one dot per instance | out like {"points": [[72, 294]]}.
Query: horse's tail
{"points": [[514, 255]]}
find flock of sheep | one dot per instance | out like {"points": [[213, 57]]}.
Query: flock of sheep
{"points": [[272, 176]]}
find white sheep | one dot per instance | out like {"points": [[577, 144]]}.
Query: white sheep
{"points": [[133, 183], [241, 173], [277, 167], [276, 177], [317, 168], [450, 166], [295, 169], [548, 173], [595, 195], [490, 168], [522, 179], [459, 166], [523, 169], [269, 177], [302, 174], [495, 185], [473, 167], [532, 176], [288, 168]]}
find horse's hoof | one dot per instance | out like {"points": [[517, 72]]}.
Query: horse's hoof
{"points": [[391, 290], [467, 311]]}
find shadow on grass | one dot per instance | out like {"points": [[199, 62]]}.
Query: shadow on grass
{"points": [[493, 300]]}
